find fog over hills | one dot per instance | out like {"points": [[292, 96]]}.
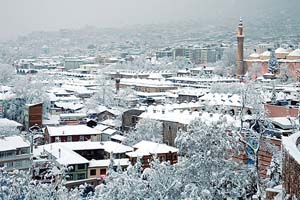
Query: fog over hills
{"points": [[21, 17]]}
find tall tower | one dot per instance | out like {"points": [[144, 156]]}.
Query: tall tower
{"points": [[240, 49]]}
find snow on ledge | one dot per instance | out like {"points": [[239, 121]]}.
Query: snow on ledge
{"points": [[290, 145]]}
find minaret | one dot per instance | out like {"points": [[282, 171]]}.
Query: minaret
{"points": [[240, 49]]}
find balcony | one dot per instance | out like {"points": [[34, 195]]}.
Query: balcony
{"points": [[15, 157]]}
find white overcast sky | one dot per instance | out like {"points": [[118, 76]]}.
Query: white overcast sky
{"points": [[18, 17]]}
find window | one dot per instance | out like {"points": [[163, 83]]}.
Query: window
{"points": [[9, 164], [102, 171], [81, 176], [69, 177], [69, 138], [81, 138], [6, 154], [169, 156], [71, 168], [25, 150], [93, 172], [57, 139], [81, 166], [174, 156]]}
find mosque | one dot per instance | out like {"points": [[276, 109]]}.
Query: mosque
{"points": [[268, 60]]}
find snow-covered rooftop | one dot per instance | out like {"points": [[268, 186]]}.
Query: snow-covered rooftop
{"points": [[109, 131], [108, 146], [101, 127], [266, 53], [145, 148], [254, 55], [284, 122], [4, 122], [69, 105], [281, 50], [185, 117], [65, 154], [295, 53], [118, 137], [221, 99], [72, 130], [68, 115], [62, 155], [106, 162], [290, 145], [13, 143], [145, 82]]}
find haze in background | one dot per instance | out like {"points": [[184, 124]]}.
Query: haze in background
{"points": [[21, 17]]}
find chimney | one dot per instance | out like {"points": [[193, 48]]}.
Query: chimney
{"points": [[118, 82], [117, 85], [59, 153]]}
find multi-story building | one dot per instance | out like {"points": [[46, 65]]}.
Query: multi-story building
{"points": [[174, 120], [164, 53], [71, 133], [146, 150], [14, 153], [183, 52], [33, 115], [147, 85], [86, 161], [199, 55], [208, 55], [73, 63]]}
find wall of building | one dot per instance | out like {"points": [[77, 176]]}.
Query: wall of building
{"points": [[77, 173], [170, 130], [100, 172], [149, 88], [75, 138], [34, 115], [16, 159], [280, 111], [293, 67], [291, 171], [146, 160], [130, 119]]}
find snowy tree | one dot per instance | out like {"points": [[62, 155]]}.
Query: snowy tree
{"points": [[274, 171], [222, 69], [146, 129], [206, 169], [284, 74], [162, 180], [18, 185], [254, 71], [229, 57], [253, 132], [121, 99], [128, 185], [230, 88], [105, 94], [7, 73], [27, 91], [157, 182], [182, 63]]}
